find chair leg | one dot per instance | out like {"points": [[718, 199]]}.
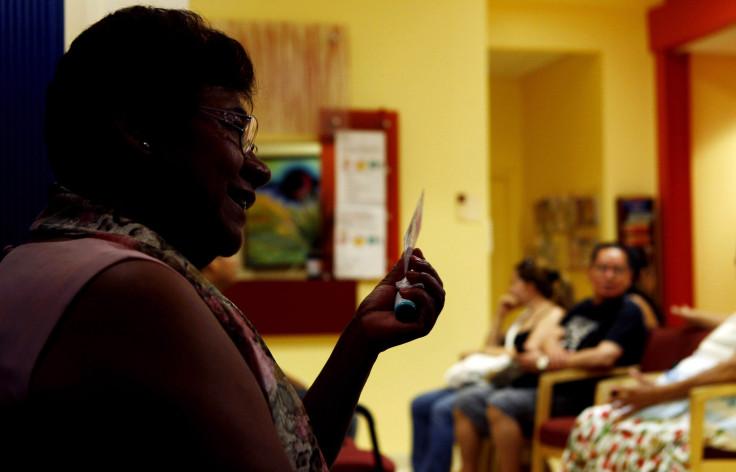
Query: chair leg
{"points": [[554, 464], [374, 440], [537, 459]]}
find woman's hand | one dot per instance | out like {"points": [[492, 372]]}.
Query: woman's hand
{"points": [[465, 354], [333, 395], [687, 313], [506, 304], [634, 398], [698, 318], [375, 315], [490, 350], [528, 360]]}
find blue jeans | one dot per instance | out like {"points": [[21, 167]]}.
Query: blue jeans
{"points": [[434, 433]]}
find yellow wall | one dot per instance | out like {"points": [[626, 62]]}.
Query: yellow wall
{"points": [[619, 37], [507, 145], [546, 141], [713, 189], [427, 61], [562, 131], [563, 143]]}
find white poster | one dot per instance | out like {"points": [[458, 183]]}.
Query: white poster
{"points": [[360, 205], [360, 167], [360, 242]]}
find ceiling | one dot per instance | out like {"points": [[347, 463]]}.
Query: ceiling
{"points": [[583, 3], [517, 64], [722, 42]]}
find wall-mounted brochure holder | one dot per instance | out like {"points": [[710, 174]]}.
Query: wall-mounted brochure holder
{"points": [[360, 159]]}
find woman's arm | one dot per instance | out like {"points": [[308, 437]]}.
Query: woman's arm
{"points": [[490, 350], [602, 356], [506, 304], [700, 318], [545, 333], [332, 397], [646, 393]]}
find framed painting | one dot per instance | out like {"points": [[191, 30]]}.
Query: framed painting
{"points": [[285, 227]]}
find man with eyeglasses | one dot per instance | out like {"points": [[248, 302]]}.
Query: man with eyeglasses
{"points": [[605, 330]]}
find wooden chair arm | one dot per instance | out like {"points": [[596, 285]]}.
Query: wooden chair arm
{"points": [[548, 380], [543, 411], [698, 398], [699, 395], [603, 388]]}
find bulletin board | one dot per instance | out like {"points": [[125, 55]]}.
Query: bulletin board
{"points": [[325, 305], [334, 121]]}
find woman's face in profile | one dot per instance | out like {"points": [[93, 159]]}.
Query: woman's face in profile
{"points": [[519, 289], [218, 180]]}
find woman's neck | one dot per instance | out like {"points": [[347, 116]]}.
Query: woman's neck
{"points": [[538, 304]]}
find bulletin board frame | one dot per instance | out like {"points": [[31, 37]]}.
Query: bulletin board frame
{"points": [[333, 120]]}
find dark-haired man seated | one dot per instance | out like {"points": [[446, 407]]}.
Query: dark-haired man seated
{"points": [[600, 332]]}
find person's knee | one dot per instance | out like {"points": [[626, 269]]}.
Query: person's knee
{"points": [[459, 416], [420, 405], [496, 416]]}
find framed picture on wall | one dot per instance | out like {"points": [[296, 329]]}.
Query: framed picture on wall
{"points": [[285, 226]]}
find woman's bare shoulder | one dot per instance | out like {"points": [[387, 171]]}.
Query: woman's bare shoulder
{"points": [[557, 312], [135, 297], [132, 319], [141, 334]]}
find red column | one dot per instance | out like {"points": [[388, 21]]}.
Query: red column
{"points": [[673, 25], [673, 113]]}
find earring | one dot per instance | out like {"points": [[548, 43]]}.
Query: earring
{"points": [[146, 145]]}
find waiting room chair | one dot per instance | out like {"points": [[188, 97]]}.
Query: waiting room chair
{"points": [[707, 459], [665, 347], [550, 433], [553, 430], [352, 459]]}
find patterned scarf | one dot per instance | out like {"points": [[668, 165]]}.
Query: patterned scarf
{"points": [[70, 216]]}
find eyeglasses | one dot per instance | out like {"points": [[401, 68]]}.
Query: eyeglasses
{"points": [[246, 124], [617, 270]]}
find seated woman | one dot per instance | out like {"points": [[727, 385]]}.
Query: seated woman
{"points": [[543, 295], [642, 286], [115, 352], [647, 425]]}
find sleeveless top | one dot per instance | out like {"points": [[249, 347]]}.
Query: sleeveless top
{"points": [[39, 280]]}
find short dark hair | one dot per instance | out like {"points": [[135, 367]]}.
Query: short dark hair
{"points": [[147, 66], [608, 245]]}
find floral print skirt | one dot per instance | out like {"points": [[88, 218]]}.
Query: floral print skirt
{"points": [[603, 441]]}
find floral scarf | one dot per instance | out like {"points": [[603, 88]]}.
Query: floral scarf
{"points": [[70, 216]]}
